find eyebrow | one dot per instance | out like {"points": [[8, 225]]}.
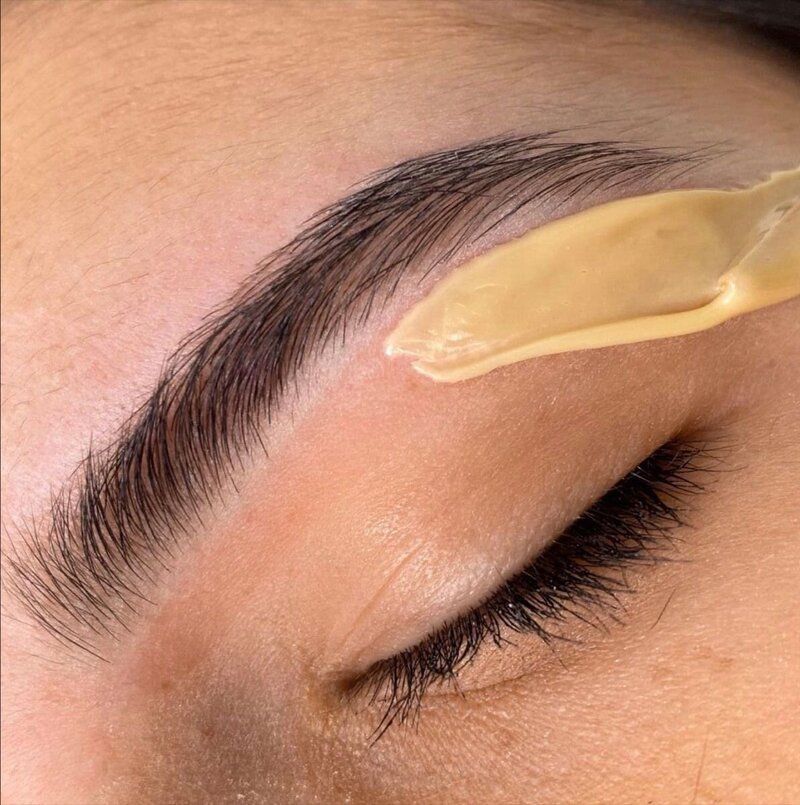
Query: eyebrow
{"points": [[83, 570]]}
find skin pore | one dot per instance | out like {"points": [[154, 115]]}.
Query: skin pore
{"points": [[152, 155]]}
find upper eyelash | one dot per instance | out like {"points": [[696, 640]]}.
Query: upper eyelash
{"points": [[632, 523]]}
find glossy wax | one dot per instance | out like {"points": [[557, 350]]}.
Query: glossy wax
{"points": [[653, 266]]}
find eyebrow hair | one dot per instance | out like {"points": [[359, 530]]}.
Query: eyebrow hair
{"points": [[83, 571]]}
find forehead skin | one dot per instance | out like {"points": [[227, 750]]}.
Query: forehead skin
{"points": [[143, 182], [152, 154]]}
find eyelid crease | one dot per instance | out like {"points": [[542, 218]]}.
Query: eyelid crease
{"points": [[343, 643]]}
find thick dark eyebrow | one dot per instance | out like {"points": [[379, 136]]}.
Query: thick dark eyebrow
{"points": [[83, 571]]}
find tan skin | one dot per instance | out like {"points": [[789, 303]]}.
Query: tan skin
{"points": [[153, 153]]}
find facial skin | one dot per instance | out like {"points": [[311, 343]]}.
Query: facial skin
{"points": [[153, 154]]}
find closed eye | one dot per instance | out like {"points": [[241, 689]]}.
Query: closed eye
{"points": [[579, 575]]}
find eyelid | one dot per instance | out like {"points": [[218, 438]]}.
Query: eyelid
{"points": [[632, 523], [437, 579]]}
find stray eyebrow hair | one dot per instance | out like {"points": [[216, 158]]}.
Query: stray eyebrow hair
{"points": [[83, 572]]}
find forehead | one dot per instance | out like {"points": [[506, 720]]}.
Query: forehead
{"points": [[154, 153]]}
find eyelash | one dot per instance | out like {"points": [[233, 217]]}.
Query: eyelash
{"points": [[576, 575]]}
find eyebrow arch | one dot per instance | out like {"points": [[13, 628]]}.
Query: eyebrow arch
{"points": [[82, 571]]}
